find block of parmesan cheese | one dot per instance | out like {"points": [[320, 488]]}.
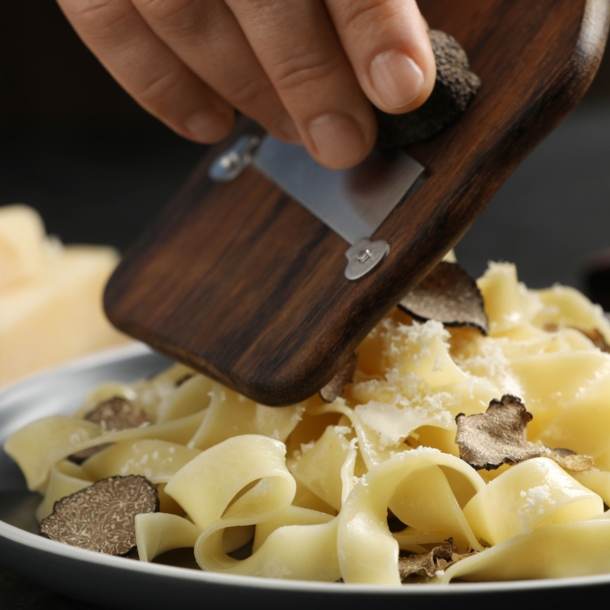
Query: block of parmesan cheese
{"points": [[50, 296]]}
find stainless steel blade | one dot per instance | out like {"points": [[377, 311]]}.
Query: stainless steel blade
{"points": [[352, 202]]}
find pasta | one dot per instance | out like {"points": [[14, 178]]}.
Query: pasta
{"points": [[307, 489]]}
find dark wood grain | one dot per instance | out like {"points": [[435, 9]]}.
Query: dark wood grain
{"points": [[242, 283]]}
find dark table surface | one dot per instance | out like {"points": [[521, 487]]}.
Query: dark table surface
{"points": [[99, 184]]}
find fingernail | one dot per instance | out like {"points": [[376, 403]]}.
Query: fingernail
{"points": [[338, 139], [396, 78], [289, 130], [208, 126]]}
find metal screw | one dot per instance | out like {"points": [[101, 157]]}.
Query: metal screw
{"points": [[229, 161], [233, 162], [363, 255]]}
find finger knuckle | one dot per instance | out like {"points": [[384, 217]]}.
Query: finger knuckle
{"points": [[177, 15], [304, 68], [360, 14], [156, 91], [250, 93], [97, 15]]}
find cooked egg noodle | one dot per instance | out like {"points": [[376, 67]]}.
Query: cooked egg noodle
{"points": [[319, 510]]}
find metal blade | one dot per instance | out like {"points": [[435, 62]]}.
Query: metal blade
{"points": [[352, 202]]}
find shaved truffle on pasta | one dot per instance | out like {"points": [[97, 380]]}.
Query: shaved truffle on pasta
{"points": [[304, 492], [102, 517], [429, 564], [498, 436], [450, 295]]}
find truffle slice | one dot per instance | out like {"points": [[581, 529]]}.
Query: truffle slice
{"points": [[455, 86], [488, 440], [498, 436], [102, 517], [117, 414], [183, 379], [428, 564], [84, 454], [593, 334], [112, 415], [334, 388], [450, 295], [570, 460]]}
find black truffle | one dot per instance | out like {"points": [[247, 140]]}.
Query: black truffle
{"points": [[498, 436], [570, 460], [455, 86], [450, 295], [593, 334], [102, 517], [183, 379], [117, 414], [428, 564], [112, 415]]}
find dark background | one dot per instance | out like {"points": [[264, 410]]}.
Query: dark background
{"points": [[74, 146], [77, 148]]}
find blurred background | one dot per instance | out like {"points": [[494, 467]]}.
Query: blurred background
{"points": [[74, 146]]}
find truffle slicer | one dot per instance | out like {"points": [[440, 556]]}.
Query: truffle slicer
{"points": [[240, 281]]}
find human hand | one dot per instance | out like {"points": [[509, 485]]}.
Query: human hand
{"points": [[301, 68]]}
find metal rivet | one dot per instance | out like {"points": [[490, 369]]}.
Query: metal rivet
{"points": [[364, 256], [233, 162], [229, 161]]}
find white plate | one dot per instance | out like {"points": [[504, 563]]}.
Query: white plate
{"points": [[116, 582]]}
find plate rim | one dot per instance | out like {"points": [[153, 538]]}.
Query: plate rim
{"points": [[37, 544]]}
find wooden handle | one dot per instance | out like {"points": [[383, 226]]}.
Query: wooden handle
{"points": [[241, 282]]}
